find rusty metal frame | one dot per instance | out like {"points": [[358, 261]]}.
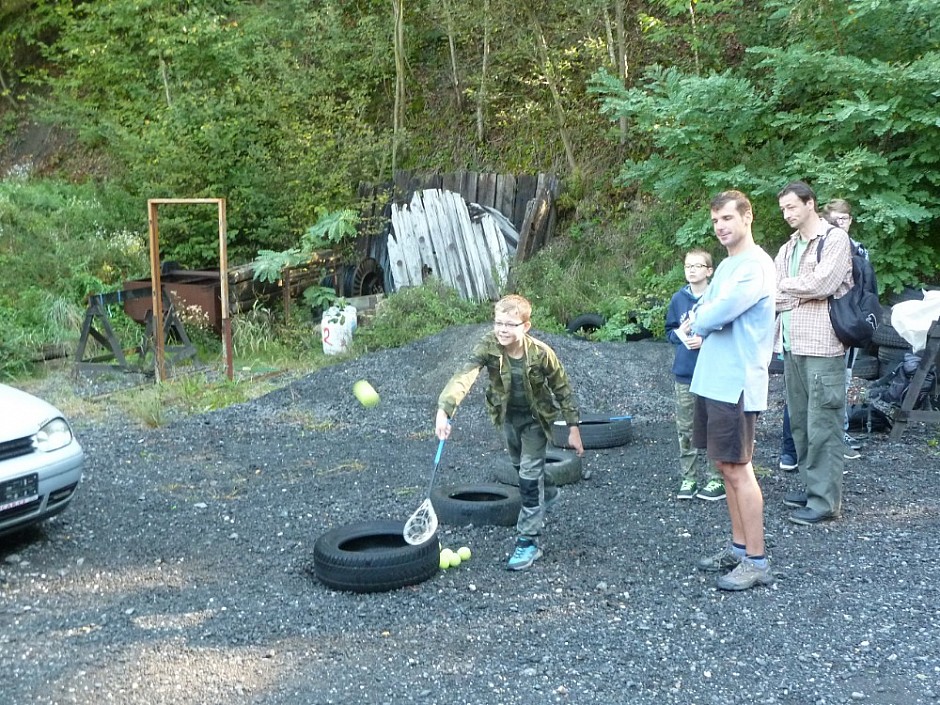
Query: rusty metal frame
{"points": [[156, 285]]}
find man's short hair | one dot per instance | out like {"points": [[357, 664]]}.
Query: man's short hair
{"points": [[801, 190], [513, 304], [741, 201]]}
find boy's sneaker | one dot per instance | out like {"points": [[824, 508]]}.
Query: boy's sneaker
{"points": [[713, 490], [745, 576], [725, 559], [524, 555], [788, 463], [687, 490], [850, 453]]}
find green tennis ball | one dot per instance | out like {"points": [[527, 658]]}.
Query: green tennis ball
{"points": [[444, 561], [454, 560], [464, 553], [366, 394]]}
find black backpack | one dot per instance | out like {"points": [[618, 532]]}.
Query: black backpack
{"points": [[855, 315]]}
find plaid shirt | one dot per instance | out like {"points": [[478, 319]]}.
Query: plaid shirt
{"points": [[806, 295], [547, 386]]}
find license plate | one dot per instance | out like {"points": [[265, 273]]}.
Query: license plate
{"points": [[22, 490]]}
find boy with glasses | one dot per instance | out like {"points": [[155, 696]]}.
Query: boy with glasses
{"points": [[698, 270], [528, 388]]}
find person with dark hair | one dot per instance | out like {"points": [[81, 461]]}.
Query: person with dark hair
{"points": [[735, 320], [813, 357]]}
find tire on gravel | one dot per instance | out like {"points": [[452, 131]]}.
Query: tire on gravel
{"points": [[597, 431], [481, 505], [562, 467], [372, 556], [889, 358], [585, 324], [866, 367]]}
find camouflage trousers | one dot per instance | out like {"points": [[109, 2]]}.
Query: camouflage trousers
{"points": [[526, 442]]}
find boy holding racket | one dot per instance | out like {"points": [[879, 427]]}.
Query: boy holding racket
{"points": [[527, 388]]}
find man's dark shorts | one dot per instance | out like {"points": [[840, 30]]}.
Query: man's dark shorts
{"points": [[725, 430]]}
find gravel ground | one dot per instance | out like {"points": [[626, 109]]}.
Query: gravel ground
{"points": [[181, 573]]}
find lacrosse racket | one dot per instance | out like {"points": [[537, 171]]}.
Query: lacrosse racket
{"points": [[423, 523]]}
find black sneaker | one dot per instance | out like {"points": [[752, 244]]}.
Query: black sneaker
{"points": [[795, 499], [687, 490], [788, 463]]}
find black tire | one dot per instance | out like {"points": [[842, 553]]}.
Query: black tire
{"points": [[480, 505], [597, 431], [889, 358], [372, 556], [561, 468], [866, 367], [585, 324], [886, 336]]}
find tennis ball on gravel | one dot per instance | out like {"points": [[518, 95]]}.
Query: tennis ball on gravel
{"points": [[454, 560], [464, 553], [446, 555], [366, 394]]}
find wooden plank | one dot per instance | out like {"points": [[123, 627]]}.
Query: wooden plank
{"points": [[451, 182], [456, 252], [468, 186], [505, 195], [409, 239], [486, 190], [525, 192], [476, 272], [498, 252], [449, 268], [396, 253], [525, 233], [420, 235]]}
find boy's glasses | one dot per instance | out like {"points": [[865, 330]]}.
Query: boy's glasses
{"points": [[843, 219], [696, 266], [506, 325]]}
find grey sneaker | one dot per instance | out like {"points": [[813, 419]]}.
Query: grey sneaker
{"points": [[745, 576], [687, 489], [713, 490], [725, 559]]}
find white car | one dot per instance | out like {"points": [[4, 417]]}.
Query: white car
{"points": [[40, 460]]}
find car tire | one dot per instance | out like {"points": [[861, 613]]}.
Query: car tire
{"points": [[866, 367], [886, 336], [481, 505], [597, 431], [372, 556], [583, 325], [562, 467]]}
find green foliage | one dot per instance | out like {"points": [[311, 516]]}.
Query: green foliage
{"points": [[853, 124], [416, 312], [58, 244]]}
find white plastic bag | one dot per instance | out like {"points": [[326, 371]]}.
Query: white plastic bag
{"points": [[912, 319]]}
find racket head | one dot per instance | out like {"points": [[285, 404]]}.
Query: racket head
{"points": [[421, 525]]}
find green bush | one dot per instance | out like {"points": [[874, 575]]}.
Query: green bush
{"points": [[417, 312]]}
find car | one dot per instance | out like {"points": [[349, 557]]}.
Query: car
{"points": [[41, 461]]}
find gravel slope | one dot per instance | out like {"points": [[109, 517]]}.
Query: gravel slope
{"points": [[180, 575]]}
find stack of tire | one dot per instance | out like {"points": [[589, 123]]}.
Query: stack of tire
{"points": [[891, 346]]}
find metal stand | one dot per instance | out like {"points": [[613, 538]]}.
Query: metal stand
{"points": [[97, 312], [930, 356]]}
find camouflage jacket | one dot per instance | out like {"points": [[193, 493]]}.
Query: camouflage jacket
{"points": [[546, 383]]}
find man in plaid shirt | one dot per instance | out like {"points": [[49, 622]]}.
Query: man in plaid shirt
{"points": [[813, 357]]}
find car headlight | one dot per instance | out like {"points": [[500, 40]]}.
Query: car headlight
{"points": [[54, 435]]}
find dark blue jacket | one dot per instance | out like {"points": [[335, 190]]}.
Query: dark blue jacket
{"points": [[684, 364]]}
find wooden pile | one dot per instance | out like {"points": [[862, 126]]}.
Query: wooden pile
{"points": [[434, 235]]}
